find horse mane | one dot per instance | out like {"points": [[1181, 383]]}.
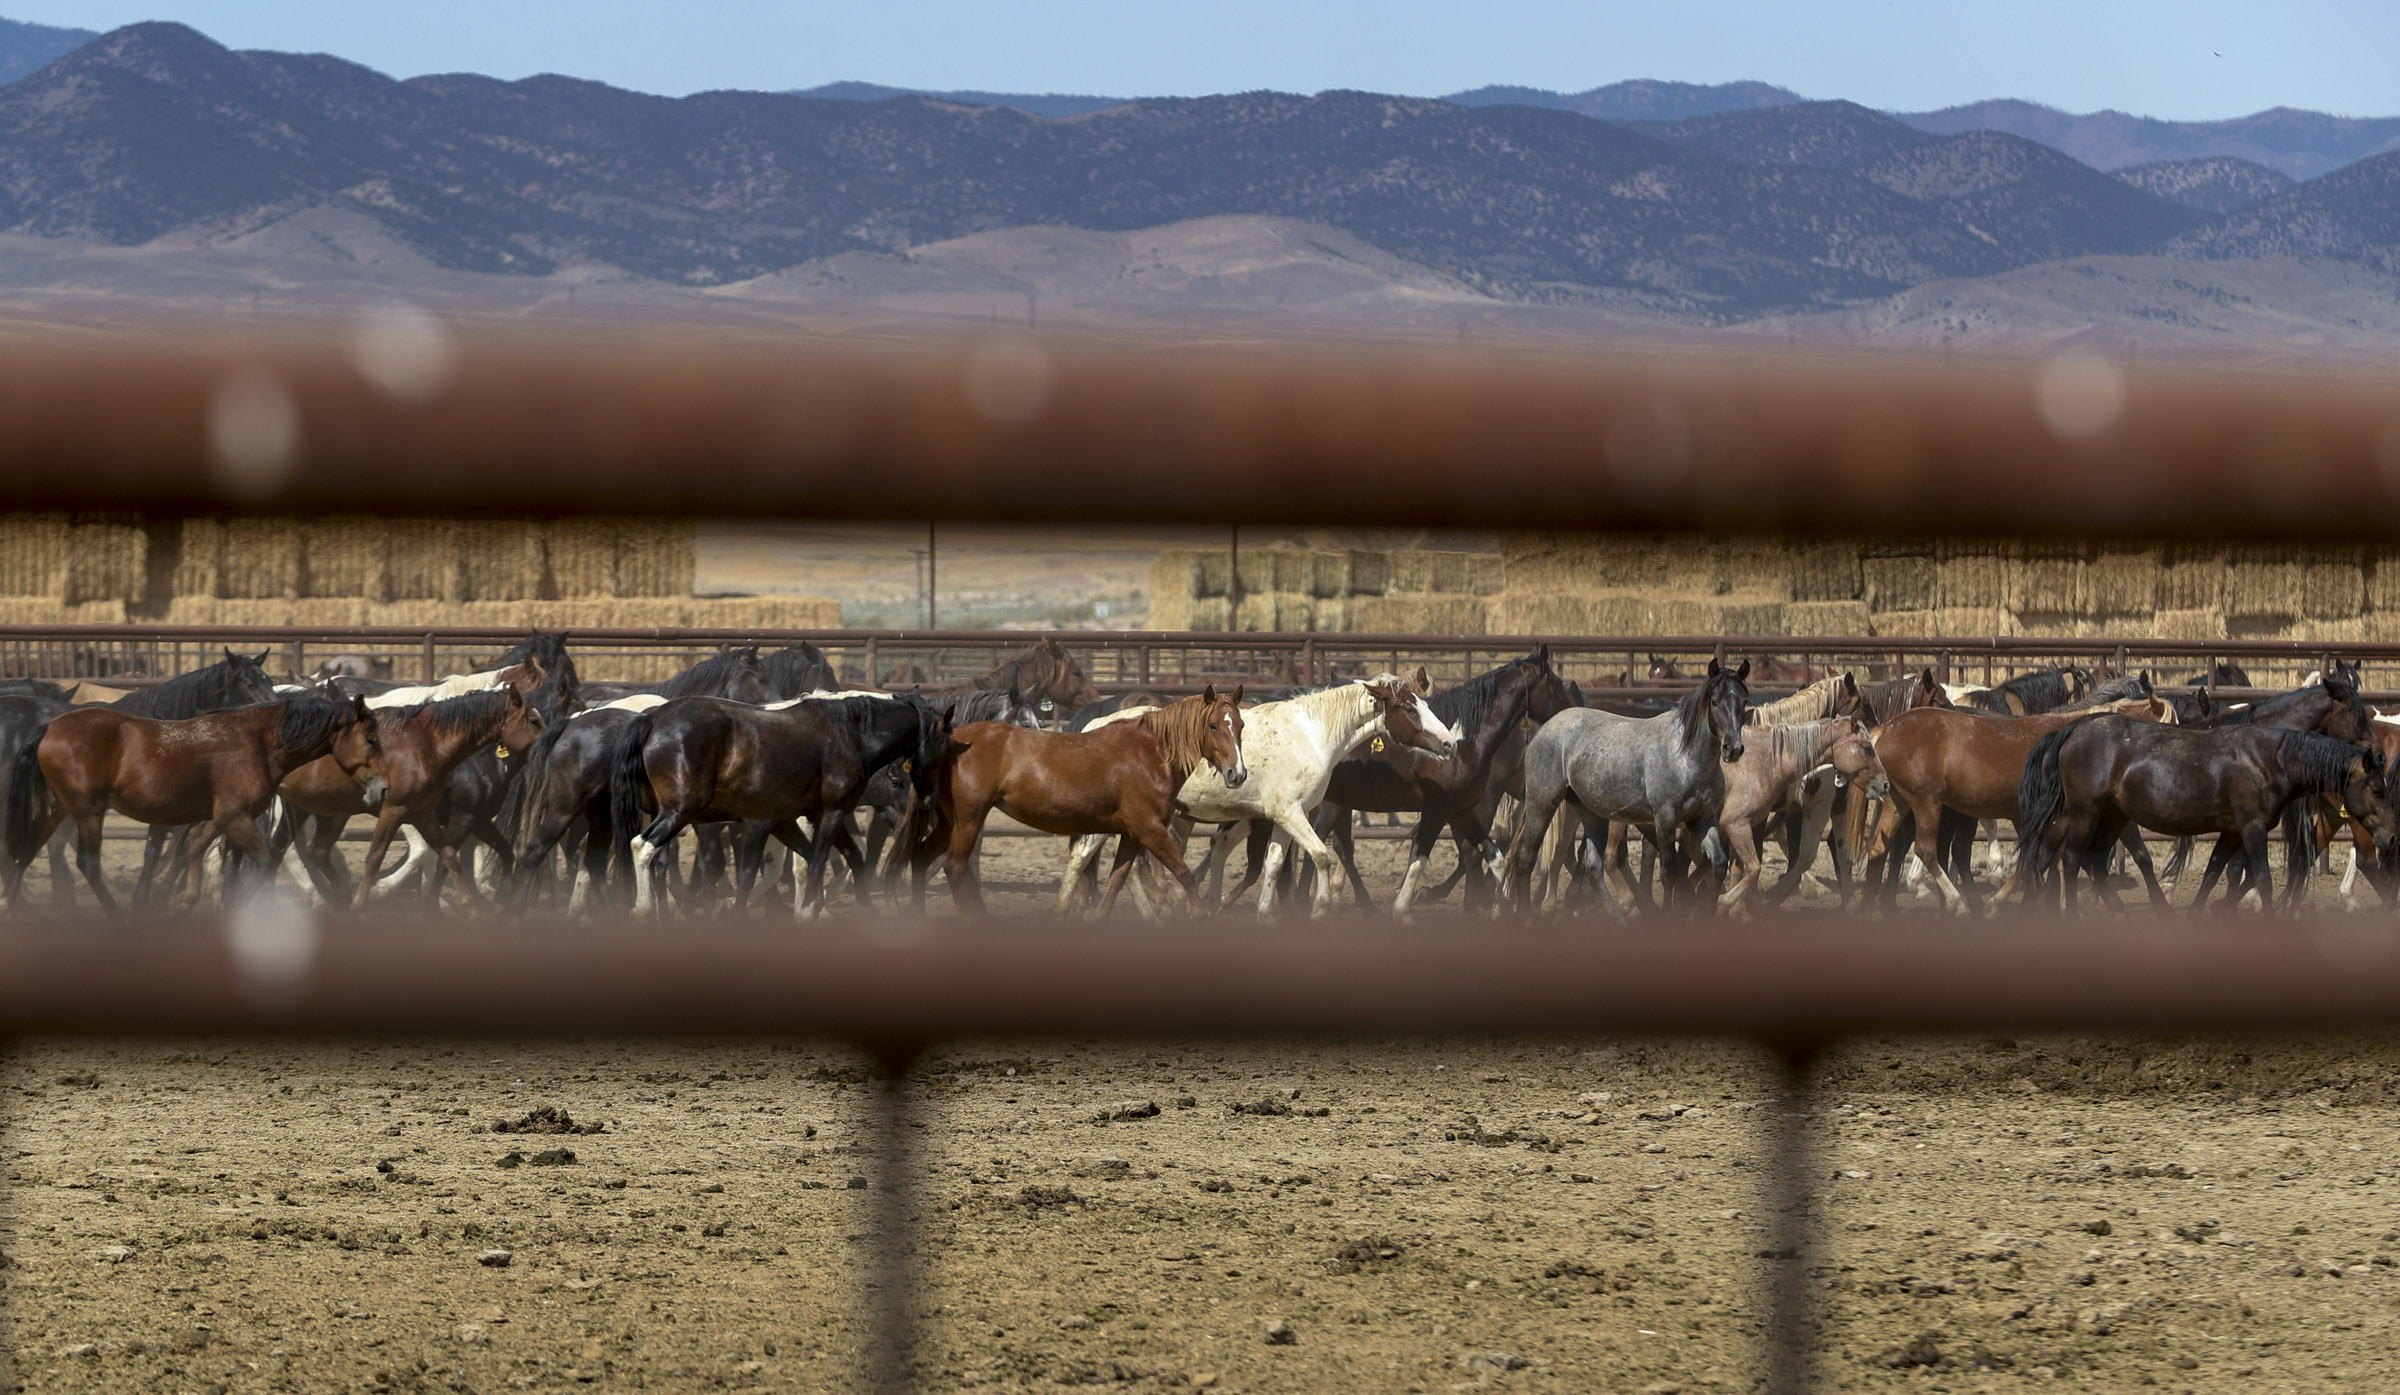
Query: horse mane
{"points": [[2041, 692], [1803, 742], [986, 705], [310, 721], [705, 676], [452, 714], [2323, 761], [1465, 706], [1180, 728], [799, 663], [31, 687], [1811, 703], [184, 696]]}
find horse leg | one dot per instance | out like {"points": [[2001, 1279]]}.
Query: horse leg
{"points": [[1420, 853], [1741, 844], [1120, 866], [1929, 852], [958, 865], [240, 832], [2097, 853], [1265, 862], [1154, 838], [87, 858], [1081, 852], [1958, 851], [2139, 850], [1340, 834], [2262, 877], [1526, 849], [62, 875]]}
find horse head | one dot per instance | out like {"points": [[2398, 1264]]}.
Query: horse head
{"points": [[1409, 719], [2366, 792], [1221, 735], [1723, 695], [1853, 758]]}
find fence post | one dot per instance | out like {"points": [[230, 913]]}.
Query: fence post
{"points": [[429, 673]]}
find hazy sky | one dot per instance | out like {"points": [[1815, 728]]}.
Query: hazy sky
{"points": [[2175, 58]]}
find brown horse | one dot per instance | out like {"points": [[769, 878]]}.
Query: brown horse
{"points": [[1045, 675], [219, 770], [410, 751], [1968, 763], [1119, 779], [1767, 782]]}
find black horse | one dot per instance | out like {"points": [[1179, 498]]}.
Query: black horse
{"points": [[705, 760], [2331, 707], [2032, 694], [26, 706], [2085, 784], [800, 668]]}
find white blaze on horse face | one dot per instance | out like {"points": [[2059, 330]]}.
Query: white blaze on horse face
{"points": [[1432, 723]]}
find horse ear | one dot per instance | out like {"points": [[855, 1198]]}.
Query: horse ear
{"points": [[1742, 674], [261, 660], [1208, 694], [1714, 667], [1236, 699]]}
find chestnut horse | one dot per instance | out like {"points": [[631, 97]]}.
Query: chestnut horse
{"points": [[1118, 779], [219, 770]]}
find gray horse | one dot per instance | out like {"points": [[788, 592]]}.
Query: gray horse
{"points": [[1657, 771]]}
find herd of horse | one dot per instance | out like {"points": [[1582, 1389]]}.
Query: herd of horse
{"points": [[581, 794]]}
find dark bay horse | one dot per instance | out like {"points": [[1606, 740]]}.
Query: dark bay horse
{"points": [[2085, 783], [1387, 776], [405, 757], [1046, 674], [1120, 779], [2331, 707], [2031, 694], [219, 770], [237, 680], [705, 760]]}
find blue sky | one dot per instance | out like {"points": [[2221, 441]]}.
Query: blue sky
{"points": [[2176, 58]]}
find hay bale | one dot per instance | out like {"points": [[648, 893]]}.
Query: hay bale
{"points": [[1752, 613], [1560, 613], [501, 561], [106, 562], [259, 559], [1328, 574], [2186, 624], [2322, 631], [2050, 626], [2381, 626], [2050, 579], [111, 612], [344, 556], [1169, 610], [1835, 618], [201, 548], [656, 559], [1329, 614], [328, 612], [243, 611], [1546, 562], [1370, 573], [580, 558], [2382, 578], [2123, 582], [1826, 572], [2281, 627], [1205, 613], [1418, 614], [1908, 624], [2333, 584], [192, 610], [34, 555], [1487, 573], [1974, 622], [767, 613], [1896, 547], [421, 560], [1424, 572], [1760, 567], [2191, 577], [1176, 571], [1974, 580], [30, 610], [1900, 583], [2262, 585]]}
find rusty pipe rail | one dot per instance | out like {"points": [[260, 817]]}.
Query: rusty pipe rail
{"points": [[1841, 444]]}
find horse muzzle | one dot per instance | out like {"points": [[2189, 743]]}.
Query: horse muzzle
{"points": [[1729, 751], [1236, 778], [375, 789]]}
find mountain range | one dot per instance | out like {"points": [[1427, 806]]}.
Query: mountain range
{"points": [[28, 48], [154, 135]]}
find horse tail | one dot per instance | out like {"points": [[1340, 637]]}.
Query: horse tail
{"points": [[626, 777], [532, 787], [2299, 847], [2040, 793], [2179, 859], [26, 786]]}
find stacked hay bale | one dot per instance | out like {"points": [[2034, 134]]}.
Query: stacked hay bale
{"points": [[1901, 585], [55, 569], [2191, 592], [1324, 589], [2333, 595], [2049, 587], [2263, 586]]}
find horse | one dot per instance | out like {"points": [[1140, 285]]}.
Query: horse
{"points": [[715, 675], [1119, 779], [2030, 694], [1771, 777], [565, 779], [1097, 708], [1949, 767], [26, 706], [1889, 699], [2329, 705], [700, 759], [888, 796], [1384, 776], [1292, 747], [237, 680], [406, 755], [2084, 784], [219, 770], [1665, 771], [1047, 675], [798, 669]]}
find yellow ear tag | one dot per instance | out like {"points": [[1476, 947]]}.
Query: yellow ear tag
{"points": [[908, 767], [1524, 723], [1379, 745], [501, 752]]}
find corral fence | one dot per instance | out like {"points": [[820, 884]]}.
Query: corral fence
{"points": [[2072, 447], [1173, 661]]}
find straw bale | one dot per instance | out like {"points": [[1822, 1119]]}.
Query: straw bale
{"points": [[1755, 566], [1426, 572], [329, 612], [259, 559], [344, 556], [200, 548], [422, 560], [766, 613], [2187, 624], [111, 612], [1910, 624], [1328, 573], [1974, 582], [1418, 614], [501, 561], [1176, 571], [2122, 582], [2051, 625], [656, 559], [1974, 622], [2263, 627], [246, 610], [1206, 613], [1546, 562], [1370, 573], [1900, 583], [1896, 547], [2050, 579], [1817, 618], [1169, 610], [30, 610], [580, 557], [2382, 626], [34, 555], [1826, 572], [2383, 578], [106, 562], [1329, 614], [2191, 577], [1487, 573], [2333, 584], [1748, 613], [2263, 583], [2322, 631], [1517, 612]]}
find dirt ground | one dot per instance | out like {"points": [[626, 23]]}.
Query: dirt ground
{"points": [[2110, 1213]]}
